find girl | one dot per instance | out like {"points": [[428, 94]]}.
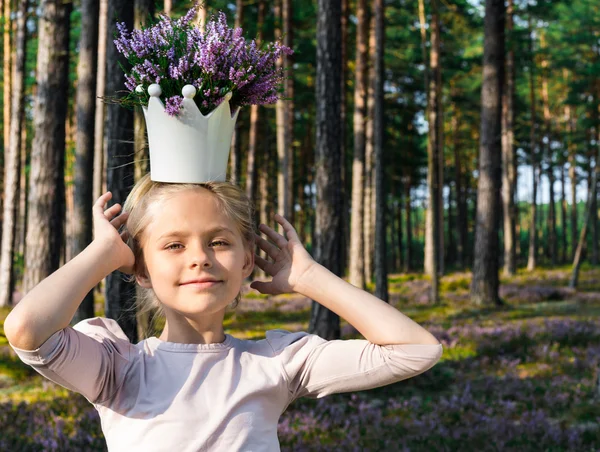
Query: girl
{"points": [[190, 246]]}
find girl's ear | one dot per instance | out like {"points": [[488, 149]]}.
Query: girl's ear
{"points": [[144, 280], [248, 263]]}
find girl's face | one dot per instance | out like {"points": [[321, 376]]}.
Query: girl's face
{"points": [[194, 254]]}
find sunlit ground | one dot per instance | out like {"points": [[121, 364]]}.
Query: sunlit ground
{"points": [[520, 377]]}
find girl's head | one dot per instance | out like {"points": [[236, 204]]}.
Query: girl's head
{"points": [[193, 244]]}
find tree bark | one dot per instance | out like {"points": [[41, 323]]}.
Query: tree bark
{"points": [[484, 288], [563, 212], [324, 322], [12, 161], [99, 158], [254, 120], [532, 256], [346, 180], [381, 267], [283, 112], [357, 270], [368, 211], [434, 221], [235, 155], [461, 204], [144, 9], [549, 154], [409, 234], [508, 152], [84, 157], [120, 294], [47, 192]]}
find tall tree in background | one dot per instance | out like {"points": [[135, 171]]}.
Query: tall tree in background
{"points": [[47, 191], [119, 153], [381, 280], [509, 173], [235, 157], [144, 9], [369, 196], [84, 153], [535, 163], [485, 284], [254, 119], [327, 251], [12, 160], [548, 154], [99, 161], [357, 269], [284, 130], [433, 245]]}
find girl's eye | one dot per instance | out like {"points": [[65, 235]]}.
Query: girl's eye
{"points": [[172, 245], [219, 243]]}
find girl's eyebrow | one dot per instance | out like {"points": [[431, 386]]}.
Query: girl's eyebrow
{"points": [[177, 233]]}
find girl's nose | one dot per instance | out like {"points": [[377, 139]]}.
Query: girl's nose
{"points": [[201, 258]]}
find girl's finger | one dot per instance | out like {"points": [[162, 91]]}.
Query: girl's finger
{"points": [[267, 246], [112, 211], [263, 264], [263, 287], [288, 229], [120, 220], [275, 237], [98, 207]]}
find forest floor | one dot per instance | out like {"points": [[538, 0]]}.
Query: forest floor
{"points": [[521, 377]]}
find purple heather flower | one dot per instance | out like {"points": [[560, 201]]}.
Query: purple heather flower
{"points": [[173, 105]]}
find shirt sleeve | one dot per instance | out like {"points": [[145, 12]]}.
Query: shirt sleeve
{"points": [[91, 358], [315, 367]]}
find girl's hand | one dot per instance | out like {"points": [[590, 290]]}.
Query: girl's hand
{"points": [[290, 259], [106, 232]]}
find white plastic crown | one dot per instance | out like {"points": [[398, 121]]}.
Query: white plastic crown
{"points": [[190, 147]]}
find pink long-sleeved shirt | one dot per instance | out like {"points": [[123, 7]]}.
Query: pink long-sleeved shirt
{"points": [[158, 396]]}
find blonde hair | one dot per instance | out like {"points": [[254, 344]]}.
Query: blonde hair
{"points": [[146, 192]]}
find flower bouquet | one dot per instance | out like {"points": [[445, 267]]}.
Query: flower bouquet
{"points": [[191, 84]]}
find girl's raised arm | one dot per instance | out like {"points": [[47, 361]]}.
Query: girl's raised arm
{"points": [[50, 306], [294, 270]]}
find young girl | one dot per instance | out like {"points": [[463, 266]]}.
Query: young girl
{"points": [[190, 247]]}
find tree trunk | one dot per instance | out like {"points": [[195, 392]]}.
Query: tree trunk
{"points": [[346, 180], [21, 245], [47, 191], [144, 9], [120, 294], [400, 239], [254, 121], [324, 322], [357, 270], [381, 272], [461, 205], [549, 154], [168, 7], [484, 288], [508, 152], [532, 257], [408, 208], [368, 211], [563, 212], [84, 158], [283, 112], [99, 160], [235, 156], [434, 220], [12, 161], [572, 175]]}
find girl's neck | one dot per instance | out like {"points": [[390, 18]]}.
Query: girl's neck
{"points": [[186, 331]]}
